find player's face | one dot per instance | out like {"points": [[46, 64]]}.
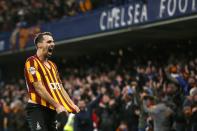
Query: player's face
{"points": [[47, 45]]}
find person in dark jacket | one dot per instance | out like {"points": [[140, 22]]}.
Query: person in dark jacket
{"points": [[83, 120]]}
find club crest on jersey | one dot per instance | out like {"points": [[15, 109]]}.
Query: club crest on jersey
{"points": [[32, 70]]}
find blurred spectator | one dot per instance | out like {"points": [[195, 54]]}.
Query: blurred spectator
{"points": [[160, 114], [106, 114], [71, 7], [130, 109], [190, 109], [83, 120], [122, 127], [179, 78], [1, 116], [194, 111], [85, 5], [143, 115], [15, 117]]}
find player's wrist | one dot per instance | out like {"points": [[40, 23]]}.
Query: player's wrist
{"points": [[57, 105]]}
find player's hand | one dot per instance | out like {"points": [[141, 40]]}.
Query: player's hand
{"points": [[76, 109], [60, 108]]}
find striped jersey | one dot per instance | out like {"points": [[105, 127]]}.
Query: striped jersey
{"points": [[35, 70]]}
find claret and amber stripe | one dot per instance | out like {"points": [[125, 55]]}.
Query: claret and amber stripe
{"points": [[56, 71]]}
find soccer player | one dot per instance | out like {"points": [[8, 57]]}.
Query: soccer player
{"points": [[47, 96]]}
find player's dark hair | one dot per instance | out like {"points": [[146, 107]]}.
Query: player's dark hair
{"points": [[39, 37]]}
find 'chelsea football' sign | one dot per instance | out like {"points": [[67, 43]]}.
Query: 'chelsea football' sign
{"points": [[137, 13]]}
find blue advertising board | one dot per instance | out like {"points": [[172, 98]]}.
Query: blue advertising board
{"points": [[136, 13]]}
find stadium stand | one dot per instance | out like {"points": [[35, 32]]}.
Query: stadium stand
{"points": [[26, 13], [32, 12], [142, 80], [136, 86]]}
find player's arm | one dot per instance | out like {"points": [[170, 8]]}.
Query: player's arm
{"points": [[40, 89], [65, 94], [67, 97]]}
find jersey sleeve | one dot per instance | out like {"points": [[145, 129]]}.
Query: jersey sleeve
{"points": [[32, 70]]}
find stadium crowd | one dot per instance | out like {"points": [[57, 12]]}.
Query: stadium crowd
{"points": [[25, 13], [124, 90]]}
